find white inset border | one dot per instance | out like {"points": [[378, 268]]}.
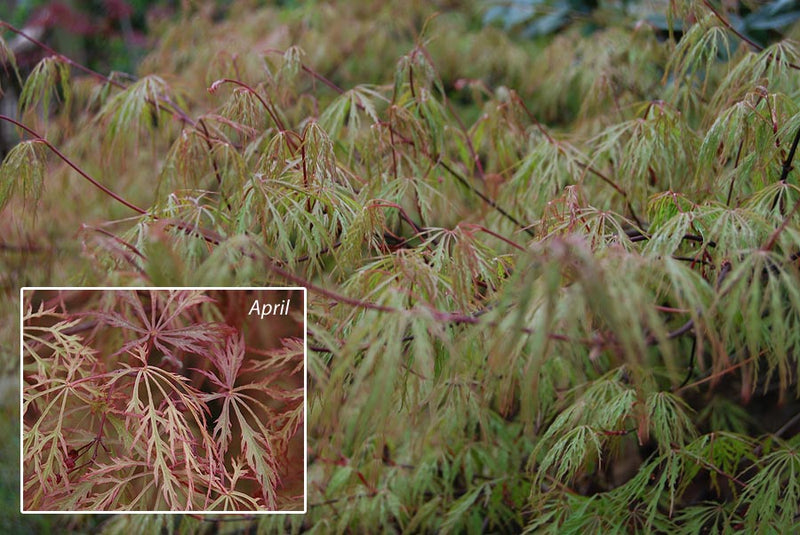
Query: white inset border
{"points": [[243, 513]]}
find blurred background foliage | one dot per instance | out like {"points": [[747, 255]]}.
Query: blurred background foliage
{"points": [[477, 44], [105, 35], [109, 35], [762, 21]]}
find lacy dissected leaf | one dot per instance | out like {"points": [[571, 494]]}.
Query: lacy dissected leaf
{"points": [[41, 86], [349, 110], [169, 421], [22, 172], [771, 497], [135, 110], [165, 320], [56, 377], [55, 350], [287, 359], [243, 418]]}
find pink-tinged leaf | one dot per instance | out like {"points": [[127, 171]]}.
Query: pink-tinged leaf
{"points": [[228, 360], [179, 302], [232, 500], [222, 431], [287, 424], [288, 359], [243, 413], [260, 457], [164, 322], [213, 87]]}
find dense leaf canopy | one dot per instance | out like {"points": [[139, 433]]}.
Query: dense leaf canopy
{"points": [[553, 284]]}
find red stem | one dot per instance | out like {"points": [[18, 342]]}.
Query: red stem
{"points": [[62, 57], [273, 115], [172, 107], [434, 160], [66, 160], [743, 37]]}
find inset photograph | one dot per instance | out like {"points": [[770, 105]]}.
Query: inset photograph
{"points": [[163, 400]]}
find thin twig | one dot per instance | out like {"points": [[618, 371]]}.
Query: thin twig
{"points": [[214, 164], [434, 159], [268, 107], [785, 427], [66, 160], [787, 164], [743, 37], [171, 107], [733, 179], [583, 165]]}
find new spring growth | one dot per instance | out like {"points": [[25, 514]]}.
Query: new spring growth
{"points": [[270, 309]]}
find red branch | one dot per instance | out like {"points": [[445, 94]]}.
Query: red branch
{"points": [[66, 160]]}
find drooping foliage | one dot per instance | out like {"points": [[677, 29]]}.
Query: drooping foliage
{"points": [[553, 286]]}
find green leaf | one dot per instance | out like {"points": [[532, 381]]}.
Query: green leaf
{"points": [[42, 85], [22, 172], [134, 111]]}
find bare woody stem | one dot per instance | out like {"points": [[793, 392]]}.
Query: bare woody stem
{"points": [[787, 167]]}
